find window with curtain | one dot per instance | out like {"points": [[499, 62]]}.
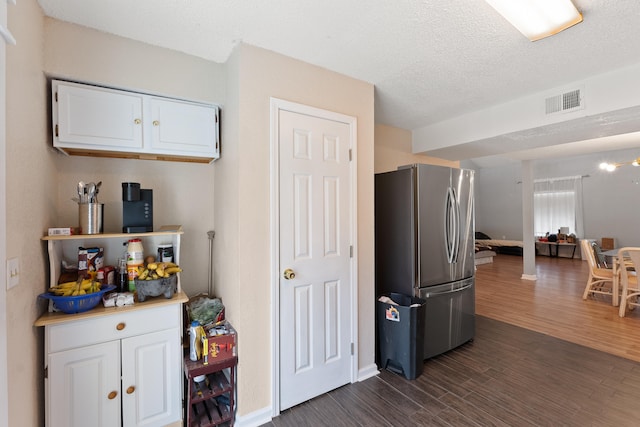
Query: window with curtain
{"points": [[557, 202]]}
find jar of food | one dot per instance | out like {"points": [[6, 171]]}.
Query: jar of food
{"points": [[165, 253], [135, 259]]}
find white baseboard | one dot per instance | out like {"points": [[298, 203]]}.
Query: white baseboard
{"points": [[255, 418], [368, 372]]}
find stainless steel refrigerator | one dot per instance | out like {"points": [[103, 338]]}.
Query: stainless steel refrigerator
{"points": [[424, 225]]}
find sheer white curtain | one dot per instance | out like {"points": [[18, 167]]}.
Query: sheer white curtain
{"points": [[557, 202]]}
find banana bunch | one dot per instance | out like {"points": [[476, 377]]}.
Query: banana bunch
{"points": [[80, 287], [157, 270]]}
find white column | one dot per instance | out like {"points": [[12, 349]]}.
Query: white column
{"points": [[529, 249]]}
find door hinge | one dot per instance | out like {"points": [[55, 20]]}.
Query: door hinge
{"points": [[352, 349], [56, 131], [349, 154], [351, 251], [46, 372]]}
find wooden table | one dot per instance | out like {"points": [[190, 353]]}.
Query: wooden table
{"points": [[557, 245]]}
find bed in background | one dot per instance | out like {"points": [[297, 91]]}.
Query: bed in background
{"points": [[484, 256], [508, 247]]}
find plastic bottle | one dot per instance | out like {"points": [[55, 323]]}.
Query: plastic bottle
{"points": [[100, 277], [194, 341], [135, 258], [123, 276]]}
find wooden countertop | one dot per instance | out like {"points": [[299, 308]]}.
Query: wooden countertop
{"points": [[151, 302]]}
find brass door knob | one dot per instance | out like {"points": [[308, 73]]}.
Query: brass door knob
{"points": [[137, 121], [156, 123], [120, 326], [112, 395], [131, 389], [289, 274]]}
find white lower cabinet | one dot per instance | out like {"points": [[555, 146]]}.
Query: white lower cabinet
{"points": [[151, 387], [84, 386], [121, 369]]}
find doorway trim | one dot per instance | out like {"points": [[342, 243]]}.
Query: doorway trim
{"points": [[4, 359], [277, 105]]}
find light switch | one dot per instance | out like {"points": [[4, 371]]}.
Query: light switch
{"points": [[13, 272]]}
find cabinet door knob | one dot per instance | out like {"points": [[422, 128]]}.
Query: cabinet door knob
{"points": [[131, 389], [156, 123], [120, 326], [137, 121], [112, 395]]}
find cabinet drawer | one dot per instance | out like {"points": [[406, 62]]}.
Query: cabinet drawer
{"points": [[85, 332]]}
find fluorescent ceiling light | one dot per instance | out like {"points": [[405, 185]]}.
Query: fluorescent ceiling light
{"points": [[537, 19]]}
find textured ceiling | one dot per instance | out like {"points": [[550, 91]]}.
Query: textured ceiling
{"points": [[429, 60]]}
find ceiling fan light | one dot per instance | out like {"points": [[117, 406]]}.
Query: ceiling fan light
{"points": [[537, 19], [635, 162], [611, 167]]}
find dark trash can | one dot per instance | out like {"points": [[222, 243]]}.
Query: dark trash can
{"points": [[401, 334]]}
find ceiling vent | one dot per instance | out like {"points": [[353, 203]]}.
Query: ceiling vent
{"points": [[565, 102]]}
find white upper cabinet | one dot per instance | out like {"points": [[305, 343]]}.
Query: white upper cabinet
{"points": [[182, 127], [102, 119], [104, 122]]}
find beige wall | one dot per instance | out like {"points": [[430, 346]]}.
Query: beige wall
{"points": [[261, 75], [41, 182], [31, 200], [182, 192], [393, 149]]}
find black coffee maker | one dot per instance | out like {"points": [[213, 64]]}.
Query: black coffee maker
{"points": [[137, 208]]}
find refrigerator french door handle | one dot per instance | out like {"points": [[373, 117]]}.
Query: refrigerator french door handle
{"points": [[446, 292], [449, 226], [456, 219]]}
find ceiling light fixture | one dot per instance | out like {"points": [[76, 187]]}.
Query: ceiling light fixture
{"points": [[610, 167], [537, 19]]}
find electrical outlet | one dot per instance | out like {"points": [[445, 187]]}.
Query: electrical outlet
{"points": [[13, 272]]}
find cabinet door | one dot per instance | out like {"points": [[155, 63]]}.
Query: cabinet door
{"points": [[184, 128], [83, 387], [97, 119], [152, 379]]}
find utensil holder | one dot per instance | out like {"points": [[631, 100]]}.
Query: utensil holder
{"points": [[90, 215]]}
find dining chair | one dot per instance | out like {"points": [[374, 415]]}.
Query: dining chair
{"points": [[630, 258], [601, 260], [601, 280]]}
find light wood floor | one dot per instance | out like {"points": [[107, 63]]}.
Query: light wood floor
{"points": [[553, 304]]}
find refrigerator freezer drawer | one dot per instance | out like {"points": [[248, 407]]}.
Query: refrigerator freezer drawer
{"points": [[449, 316]]}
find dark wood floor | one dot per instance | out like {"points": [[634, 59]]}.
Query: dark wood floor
{"points": [[508, 376]]}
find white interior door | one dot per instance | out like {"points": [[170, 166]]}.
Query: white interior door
{"points": [[315, 234]]}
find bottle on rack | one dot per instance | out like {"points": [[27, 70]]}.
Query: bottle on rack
{"points": [[194, 341], [135, 258]]}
